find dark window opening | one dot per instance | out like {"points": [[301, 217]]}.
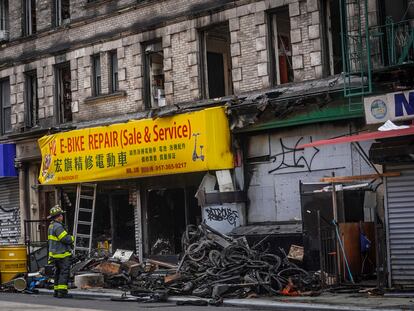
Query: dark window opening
{"points": [[96, 75], [62, 12], [154, 75], [5, 106], [332, 38], [29, 14], [397, 10], [216, 62], [4, 19], [32, 103], [63, 93], [113, 64], [281, 46]]}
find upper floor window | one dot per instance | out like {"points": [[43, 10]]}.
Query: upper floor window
{"points": [[332, 37], [62, 12], [96, 75], [281, 47], [5, 112], [113, 79], [31, 99], [29, 15], [154, 75], [63, 93], [4, 20], [216, 61]]}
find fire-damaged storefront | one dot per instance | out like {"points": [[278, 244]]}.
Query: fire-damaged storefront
{"points": [[99, 176], [394, 150], [290, 203]]}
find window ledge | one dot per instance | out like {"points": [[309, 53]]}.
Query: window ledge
{"points": [[104, 97], [96, 3]]}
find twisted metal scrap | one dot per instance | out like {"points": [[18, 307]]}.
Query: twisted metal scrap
{"points": [[207, 263]]}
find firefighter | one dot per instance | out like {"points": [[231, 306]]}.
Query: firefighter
{"points": [[60, 251]]}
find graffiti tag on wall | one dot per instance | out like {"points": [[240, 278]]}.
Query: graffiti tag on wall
{"points": [[222, 214], [290, 157]]}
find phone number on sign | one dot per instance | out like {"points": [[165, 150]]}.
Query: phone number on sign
{"points": [[170, 166], [156, 168]]}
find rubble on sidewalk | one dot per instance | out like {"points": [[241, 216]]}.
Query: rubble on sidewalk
{"points": [[213, 265]]}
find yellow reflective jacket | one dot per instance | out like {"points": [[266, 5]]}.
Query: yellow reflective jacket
{"points": [[60, 242]]}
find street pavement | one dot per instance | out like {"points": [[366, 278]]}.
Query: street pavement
{"points": [[26, 302]]}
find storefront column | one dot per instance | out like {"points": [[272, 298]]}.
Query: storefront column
{"points": [[22, 199], [138, 225]]}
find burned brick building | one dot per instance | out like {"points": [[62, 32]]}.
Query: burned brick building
{"points": [[279, 67]]}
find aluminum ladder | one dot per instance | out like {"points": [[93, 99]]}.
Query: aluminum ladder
{"points": [[84, 215]]}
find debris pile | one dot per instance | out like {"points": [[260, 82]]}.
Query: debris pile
{"points": [[213, 265], [216, 265]]}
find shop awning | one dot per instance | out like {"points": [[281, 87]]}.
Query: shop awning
{"points": [[7, 155], [360, 137]]}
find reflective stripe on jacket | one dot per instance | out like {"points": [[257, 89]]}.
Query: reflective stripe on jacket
{"points": [[60, 242]]}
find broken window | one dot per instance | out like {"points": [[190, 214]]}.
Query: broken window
{"points": [[96, 75], [32, 103], [281, 46], [332, 37], [4, 20], [113, 64], [5, 106], [216, 61], [29, 13], [154, 75], [398, 11], [63, 93], [62, 12]]}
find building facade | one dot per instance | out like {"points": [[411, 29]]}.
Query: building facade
{"points": [[276, 65]]}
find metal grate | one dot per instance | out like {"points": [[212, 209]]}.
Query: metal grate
{"points": [[400, 224]]}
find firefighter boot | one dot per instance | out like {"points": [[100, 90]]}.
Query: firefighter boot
{"points": [[64, 294]]}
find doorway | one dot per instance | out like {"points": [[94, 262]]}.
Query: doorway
{"points": [[169, 212], [113, 220]]}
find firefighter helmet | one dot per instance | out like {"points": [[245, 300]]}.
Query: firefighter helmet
{"points": [[55, 211]]}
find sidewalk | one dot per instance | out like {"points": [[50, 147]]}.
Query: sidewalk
{"points": [[326, 301]]}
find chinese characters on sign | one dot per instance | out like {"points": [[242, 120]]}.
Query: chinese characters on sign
{"points": [[189, 142]]}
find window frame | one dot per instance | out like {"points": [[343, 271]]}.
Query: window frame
{"points": [[203, 61], [29, 19], [3, 107], [96, 75], [59, 19], [151, 48], [59, 93], [113, 72], [275, 74], [31, 99], [4, 15]]}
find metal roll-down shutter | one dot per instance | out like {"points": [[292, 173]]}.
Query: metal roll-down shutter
{"points": [[9, 213], [400, 224]]}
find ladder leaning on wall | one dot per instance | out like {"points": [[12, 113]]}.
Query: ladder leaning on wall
{"points": [[84, 216]]}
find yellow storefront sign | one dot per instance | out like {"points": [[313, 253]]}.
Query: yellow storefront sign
{"points": [[190, 142]]}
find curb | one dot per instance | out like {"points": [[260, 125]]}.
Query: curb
{"points": [[245, 303]]}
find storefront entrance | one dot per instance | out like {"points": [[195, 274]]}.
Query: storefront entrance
{"points": [[114, 216], [169, 211]]}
